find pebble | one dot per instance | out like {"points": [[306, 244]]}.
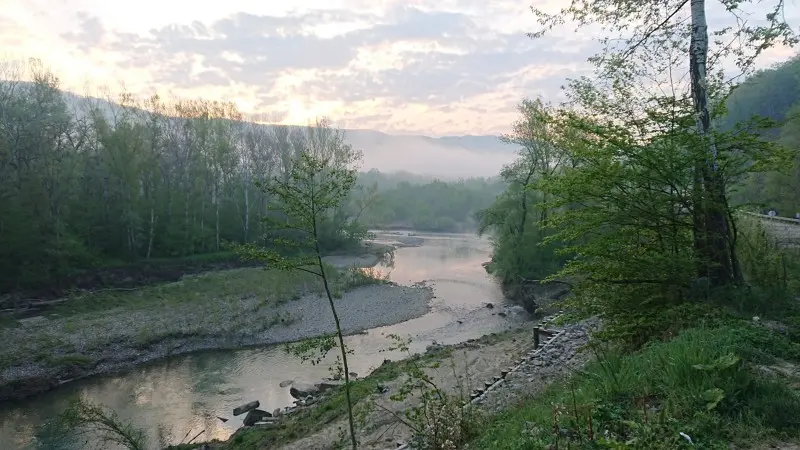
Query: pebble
{"points": [[558, 358], [112, 337]]}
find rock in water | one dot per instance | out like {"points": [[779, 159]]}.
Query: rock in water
{"points": [[303, 390], [246, 407], [254, 416], [286, 383]]}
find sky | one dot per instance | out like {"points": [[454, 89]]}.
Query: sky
{"points": [[431, 67]]}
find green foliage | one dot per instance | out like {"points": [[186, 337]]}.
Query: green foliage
{"points": [[431, 206], [87, 183], [321, 178], [764, 262], [307, 421], [441, 420], [517, 219], [773, 94], [103, 427], [705, 383]]}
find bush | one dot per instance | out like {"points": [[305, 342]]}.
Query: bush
{"points": [[705, 384]]}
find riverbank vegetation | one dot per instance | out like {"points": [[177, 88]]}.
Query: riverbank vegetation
{"points": [[635, 183], [89, 183], [120, 192], [433, 205]]}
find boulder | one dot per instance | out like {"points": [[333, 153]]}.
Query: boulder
{"points": [[326, 385], [303, 390], [285, 383], [246, 407], [254, 416]]}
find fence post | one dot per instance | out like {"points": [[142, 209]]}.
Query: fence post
{"points": [[535, 338]]}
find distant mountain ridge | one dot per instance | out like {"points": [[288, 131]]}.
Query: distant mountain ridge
{"points": [[446, 157]]}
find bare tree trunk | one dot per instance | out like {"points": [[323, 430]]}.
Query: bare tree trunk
{"points": [[153, 220], [715, 251], [216, 217], [186, 224], [246, 212]]}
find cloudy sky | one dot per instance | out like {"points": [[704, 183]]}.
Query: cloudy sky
{"points": [[434, 67]]}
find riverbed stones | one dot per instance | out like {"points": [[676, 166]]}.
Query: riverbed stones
{"points": [[246, 407], [561, 356], [303, 390], [286, 383], [253, 416], [326, 385]]}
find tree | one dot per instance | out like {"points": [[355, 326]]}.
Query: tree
{"points": [[654, 22], [319, 179], [622, 207]]}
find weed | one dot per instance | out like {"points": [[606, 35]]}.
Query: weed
{"points": [[698, 387]]}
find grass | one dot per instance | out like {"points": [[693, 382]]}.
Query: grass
{"points": [[273, 286], [705, 383], [226, 301]]}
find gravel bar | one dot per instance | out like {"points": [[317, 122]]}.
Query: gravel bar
{"points": [[118, 339]]}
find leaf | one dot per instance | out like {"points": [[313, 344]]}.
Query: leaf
{"points": [[721, 363], [713, 397]]}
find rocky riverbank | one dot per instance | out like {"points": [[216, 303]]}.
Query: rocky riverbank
{"points": [[318, 426], [554, 361], [112, 331]]}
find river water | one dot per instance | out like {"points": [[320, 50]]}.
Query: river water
{"points": [[184, 395]]}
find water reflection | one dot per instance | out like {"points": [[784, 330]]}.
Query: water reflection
{"points": [[185, 394]]}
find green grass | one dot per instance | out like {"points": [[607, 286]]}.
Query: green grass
{"points": [[704, 383], [272, 286], [78, 361]]}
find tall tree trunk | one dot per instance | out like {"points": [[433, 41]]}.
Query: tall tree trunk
{"points": [[215, 200], [715, 252], [153, 220], [246, 213], [187, 244]]}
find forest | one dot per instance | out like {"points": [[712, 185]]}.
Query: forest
{"points": [[434, 205], [773, 94], [91, 183], [635, 194]]}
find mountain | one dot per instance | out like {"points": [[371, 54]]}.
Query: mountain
{"points": [[447, 157]]}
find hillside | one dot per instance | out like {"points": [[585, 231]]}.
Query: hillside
{"points": [[772, 94], [446, 157]]}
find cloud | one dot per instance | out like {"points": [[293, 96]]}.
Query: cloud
{"points": [[338, 61], [421, 66], [90, 34]]}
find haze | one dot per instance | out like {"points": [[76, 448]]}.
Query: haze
{"points": [[419, 67]]}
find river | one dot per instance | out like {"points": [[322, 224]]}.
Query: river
{"points": [[185, 394]]}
